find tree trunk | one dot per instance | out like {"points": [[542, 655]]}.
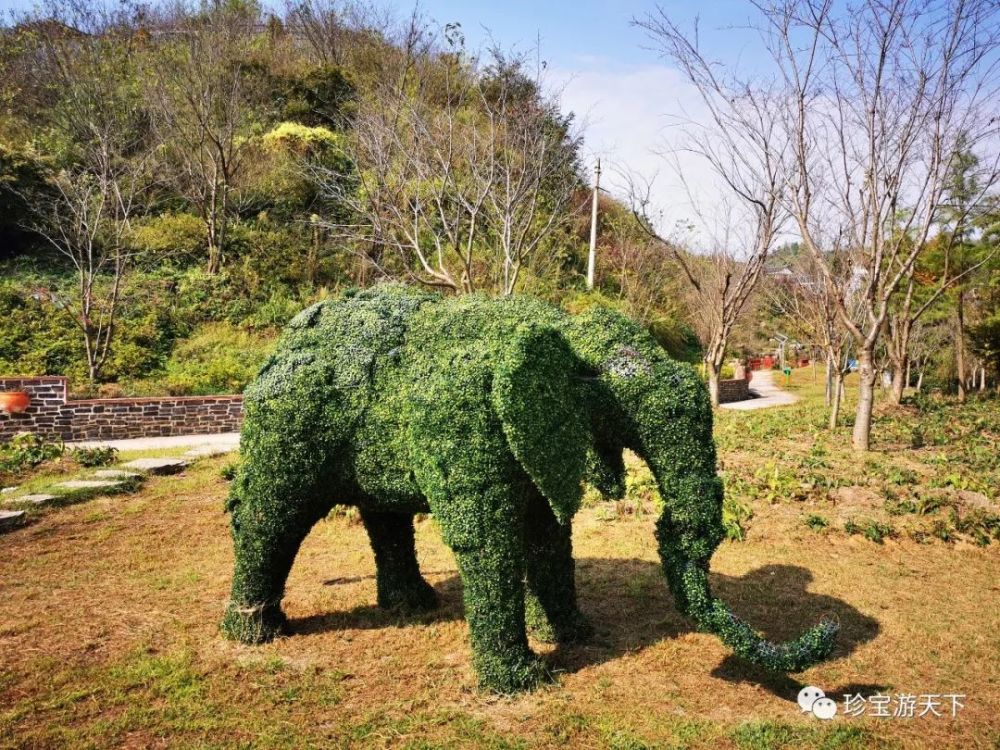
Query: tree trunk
{"points": [[211, 229], [830, 366], [838, 387], [960, 343], [312, 259], [861, 439], [898, 382], [713, 381], [920, 380], [92, 368]]}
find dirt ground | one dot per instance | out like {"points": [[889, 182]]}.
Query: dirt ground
{"points": [[109, 637]]}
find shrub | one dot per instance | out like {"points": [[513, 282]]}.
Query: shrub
{"points": [[816, 522], [277, 311], [876, 531], [898, 507], [978, 523], [37, 339], [217, 358], [40, 338], [873, 531], [735, 515], [172, 236], [102, 455], [26, 451], [301, 139]]}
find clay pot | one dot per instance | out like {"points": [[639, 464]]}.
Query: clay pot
{"points": [[14, 402]]}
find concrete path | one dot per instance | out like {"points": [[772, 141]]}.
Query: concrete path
{"points": [[767, 390], [224, 441]]}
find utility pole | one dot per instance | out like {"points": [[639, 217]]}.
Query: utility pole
{"points": [[592, 258]]}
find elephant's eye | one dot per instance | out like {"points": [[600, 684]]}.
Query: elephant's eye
{"points": [[627, 363]]}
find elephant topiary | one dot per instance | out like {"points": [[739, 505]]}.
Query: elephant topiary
{"points": [[489, 413]]}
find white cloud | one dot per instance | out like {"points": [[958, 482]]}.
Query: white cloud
{"points": [[631, 118]]}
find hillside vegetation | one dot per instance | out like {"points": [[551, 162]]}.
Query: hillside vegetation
{"points": [[178, 181]]}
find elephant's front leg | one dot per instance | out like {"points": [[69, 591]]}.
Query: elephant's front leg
{"points": [[493, 583], [397, 573], [552, 611]]}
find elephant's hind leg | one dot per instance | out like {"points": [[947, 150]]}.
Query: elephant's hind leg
{"points": [[273, 508], [551, 608], [397, 572]]}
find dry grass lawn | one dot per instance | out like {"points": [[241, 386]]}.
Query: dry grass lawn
{"points": [[109, 638]]}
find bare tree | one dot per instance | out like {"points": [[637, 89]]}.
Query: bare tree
{"points": [[880, 98], [721, 264], [743, 147], [86, 217], [337, 31], [84, 212], [809, 301], [200, 95], [460, 183], [642, 269]]}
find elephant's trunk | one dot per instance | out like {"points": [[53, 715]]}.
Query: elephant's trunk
{"points": [[713, 616], [688, 532], [681, 453]]}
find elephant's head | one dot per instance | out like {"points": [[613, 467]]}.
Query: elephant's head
{"points": [[573, 397]]}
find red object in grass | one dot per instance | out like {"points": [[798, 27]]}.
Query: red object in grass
{"points": [[14, 402]]}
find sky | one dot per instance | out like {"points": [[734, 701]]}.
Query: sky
{"points": [[605, 70]]}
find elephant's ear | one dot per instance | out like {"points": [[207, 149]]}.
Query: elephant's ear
{"points": [[538, 401]]}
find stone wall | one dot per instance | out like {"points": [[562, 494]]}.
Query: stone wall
{"points": [[734, 390], [52, 414]]}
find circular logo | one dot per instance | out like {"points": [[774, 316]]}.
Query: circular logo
{"points": [[809, 695], [824, 708]]}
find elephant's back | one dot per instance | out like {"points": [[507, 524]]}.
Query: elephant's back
{"points": [[341, 342], [473, 328], [361, 324]]}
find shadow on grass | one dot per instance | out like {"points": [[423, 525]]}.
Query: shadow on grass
{"points": [[775, 601], [630, 607]]}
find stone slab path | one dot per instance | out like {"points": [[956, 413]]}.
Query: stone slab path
{"points": [[10, 519], [224, 441], [37, 500], [123, 479], [768, 393], [207, 451], [157, 466], [116, 474], [87, 484]]}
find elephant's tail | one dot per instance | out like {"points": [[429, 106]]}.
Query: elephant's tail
{"points": [[713, 616]]}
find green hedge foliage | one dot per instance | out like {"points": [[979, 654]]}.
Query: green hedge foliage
{"points": [[490, 413], [215, 358]]}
